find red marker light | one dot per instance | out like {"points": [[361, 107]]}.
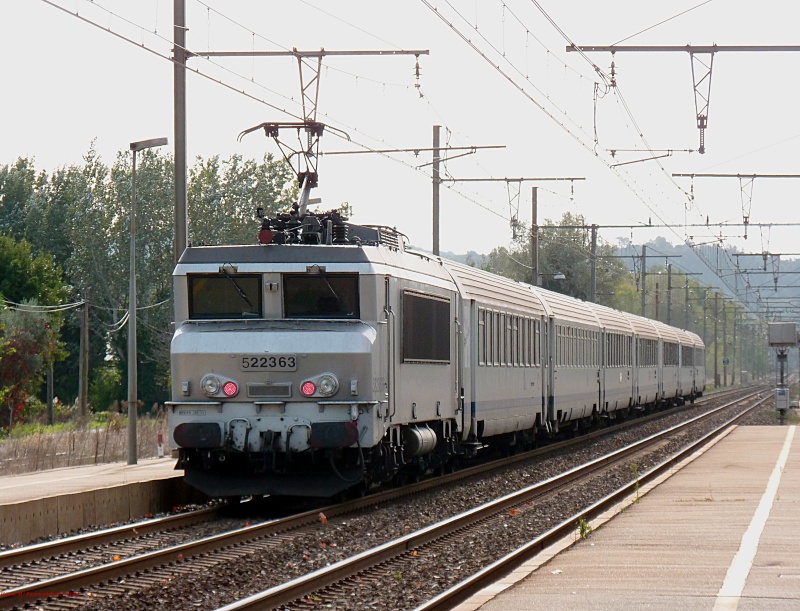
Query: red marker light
{"points": [[230, 389], [308, 388], [265, 236]]}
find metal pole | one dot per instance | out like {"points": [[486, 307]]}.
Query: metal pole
{"points": [[644, 277], [657, 312], [724, 343], [179, 111], [132, 372], [50, 407], [133, 399], [593, 287], [534, 236], [669, 293], [705, 317], [686, 306], [83, 359], [733, 359], [436, 183], [716, 341]]}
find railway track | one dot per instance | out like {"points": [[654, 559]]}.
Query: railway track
{"points": [[336, 586], [160, 567]]}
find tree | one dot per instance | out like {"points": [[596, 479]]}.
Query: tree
{"points": [[54, 221], [17, 183], [563, 250], [28, 339], [79, 216], [223, 197], [24, 276], [29, 346]]}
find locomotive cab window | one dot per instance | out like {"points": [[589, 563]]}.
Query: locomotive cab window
{"points": [[426, 328], [224, 296], [320, 296]]}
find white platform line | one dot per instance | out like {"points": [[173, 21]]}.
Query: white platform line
{"points": [[731, 590]]}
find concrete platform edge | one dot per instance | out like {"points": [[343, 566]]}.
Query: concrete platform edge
{"points": [[26, 521], [542, 558]]}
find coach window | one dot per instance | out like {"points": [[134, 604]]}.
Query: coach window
{"points": [[574, 338], [224, 296], [585, 348], [481, 336], [496, 337], [515, 360], [528, 342], [320, 296], [508, 340], [491, 341], [491, 356], [568, 340], [426, 328], [582, 353]]}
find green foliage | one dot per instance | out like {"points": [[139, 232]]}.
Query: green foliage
{"points": [[584, 528], [16, 186], [25, 276], [107, 387], [31, 345], [223, 197], [77, 219], [565, 250], [28, 339]]}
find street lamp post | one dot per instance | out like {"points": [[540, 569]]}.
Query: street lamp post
{"points": [[555, 276], [132, 372]]}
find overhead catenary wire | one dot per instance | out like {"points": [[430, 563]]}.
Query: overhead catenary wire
{"points": [[41, 309], [636, 189], [237, 90]]}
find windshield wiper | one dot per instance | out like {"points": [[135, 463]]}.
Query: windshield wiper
{"points": [[235, 284]]}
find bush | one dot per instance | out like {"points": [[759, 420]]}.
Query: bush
{"points": [[106, 387]]}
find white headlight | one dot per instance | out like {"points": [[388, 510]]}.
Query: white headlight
{"points": [[210, 385], [327, 385]]}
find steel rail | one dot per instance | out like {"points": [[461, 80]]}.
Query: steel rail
{"points": [[65, 545], [318, 580], [73, 582], [470, 586]]}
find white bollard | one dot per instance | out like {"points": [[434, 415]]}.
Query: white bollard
{"points": [[161, 445]]}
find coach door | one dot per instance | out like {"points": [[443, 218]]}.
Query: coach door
{"points": [[551, 374], [388, 351]]}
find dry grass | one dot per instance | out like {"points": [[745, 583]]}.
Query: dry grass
{"points": [[83, 446]]}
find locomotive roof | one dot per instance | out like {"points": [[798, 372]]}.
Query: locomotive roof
{"points": [[274, 253]]}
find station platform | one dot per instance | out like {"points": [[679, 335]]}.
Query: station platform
{"points": [[719, 532], [59, 501]]}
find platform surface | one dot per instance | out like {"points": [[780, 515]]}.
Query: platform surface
{"points": [[71, 480], [721, 533]]}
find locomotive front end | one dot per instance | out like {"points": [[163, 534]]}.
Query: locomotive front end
{"points": [[273, 381]]}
